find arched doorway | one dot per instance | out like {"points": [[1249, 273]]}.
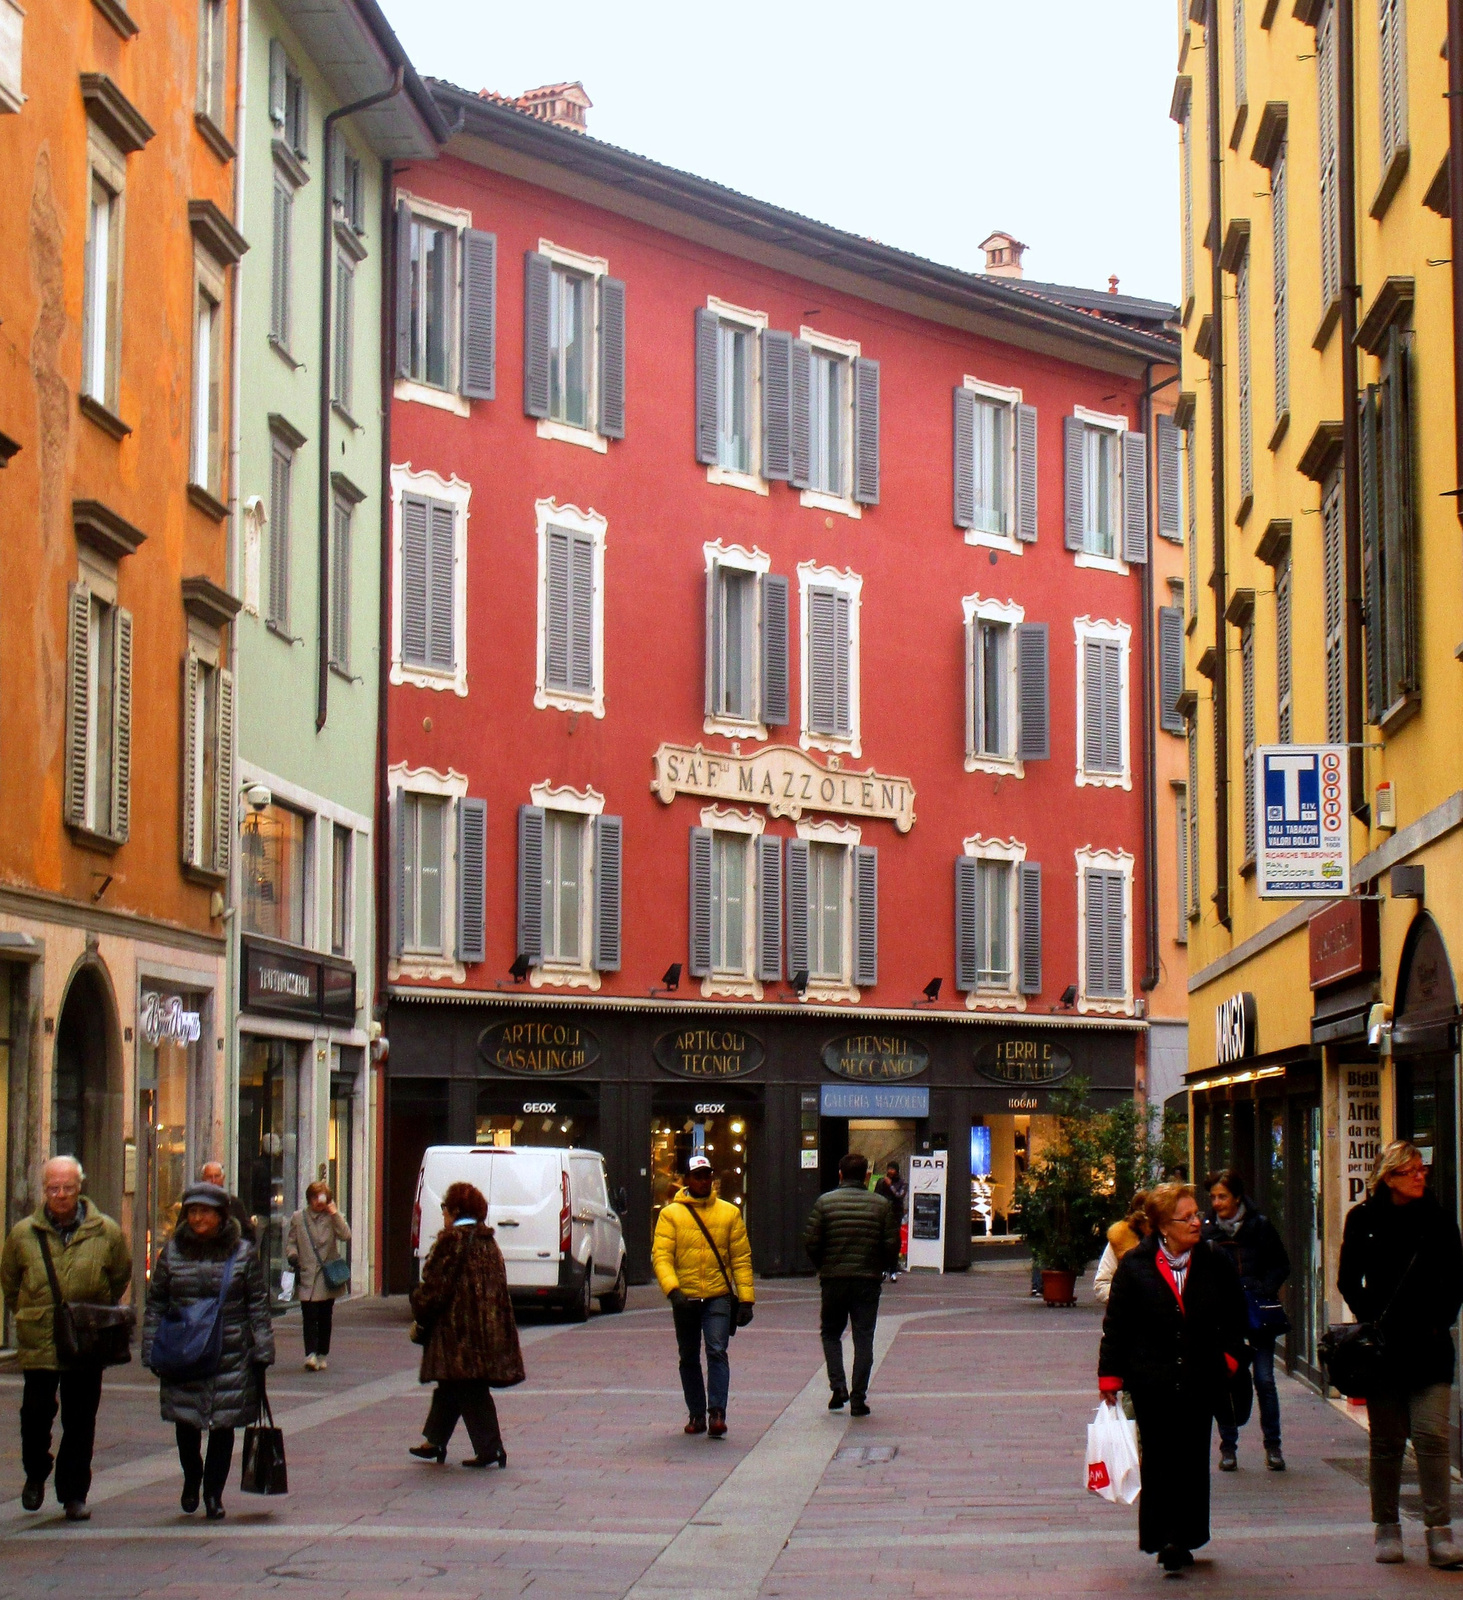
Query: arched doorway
{"points": [[1424, 1018], [87, 1120]]}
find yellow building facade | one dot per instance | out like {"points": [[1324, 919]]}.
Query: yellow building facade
{"points": [[1323, 599]]}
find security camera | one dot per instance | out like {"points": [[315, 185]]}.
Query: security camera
{"points": [[259, 797]]}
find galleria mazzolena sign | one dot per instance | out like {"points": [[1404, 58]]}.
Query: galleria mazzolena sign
{"points": [[783, 779]]}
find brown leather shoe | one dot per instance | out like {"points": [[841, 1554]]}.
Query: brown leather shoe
{"points": [[716, 1427], [696, 1425]]}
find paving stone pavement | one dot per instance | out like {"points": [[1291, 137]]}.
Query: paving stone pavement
{"points": [[966, 1480]]}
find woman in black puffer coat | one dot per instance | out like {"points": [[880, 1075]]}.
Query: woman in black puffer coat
{"points": [[189, 1268]]}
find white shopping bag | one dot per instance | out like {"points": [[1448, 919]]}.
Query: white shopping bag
{"points": [[1112, 1455], [286, 1285]]}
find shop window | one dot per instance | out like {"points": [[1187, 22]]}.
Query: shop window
{"points": [[678, 1134], [274, 873], [169, 1029], [345, 1066], [269, 1153]]}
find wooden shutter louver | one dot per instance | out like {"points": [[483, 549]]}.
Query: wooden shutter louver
{"points": [[708, 387], [414, 578], [1033, 741], [403, 289], [1112, 707], [699, 964], [530, 939], [1026, 526], [1371, 545], [472, 888], [800, 394], [964, 457], [769, 908], [608, 852], [223, 795], [556, 607], [1092, 686], [441, 650], [1095, 955], [191, 797], [714, 605], [611, 358], [120, 822], [1399, 561], [776, 710], [1074, 434], [1028, 926], [479, 314], [1331, 611], [866, 916], [776, 406], [1135, 497], [1115, 936], [1170, 668], [1170, 518], [967, 927], [796, 874], [537, 285], [865, 431], [581, 635], [829, 709]]}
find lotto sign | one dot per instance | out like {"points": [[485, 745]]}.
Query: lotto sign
{"points": [[1303, 804]]}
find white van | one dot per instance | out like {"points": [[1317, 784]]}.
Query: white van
{"points": [[561, 1238]]}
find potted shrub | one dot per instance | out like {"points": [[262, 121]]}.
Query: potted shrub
{"points": [[1065, 1195]]}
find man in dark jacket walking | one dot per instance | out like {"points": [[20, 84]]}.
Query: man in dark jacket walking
{"points": [[852, 1236]]}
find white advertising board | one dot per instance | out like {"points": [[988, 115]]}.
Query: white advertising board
{"points": [[1303, 809], [927, 1211]]}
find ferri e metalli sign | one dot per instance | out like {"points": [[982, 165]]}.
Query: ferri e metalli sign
{"points": [[1303, 805]]}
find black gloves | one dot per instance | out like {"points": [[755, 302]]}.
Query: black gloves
{"points": [[744, 1313], [677, 1299]]}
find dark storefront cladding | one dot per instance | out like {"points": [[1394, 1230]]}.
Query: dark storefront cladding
{"points": [[649, 1087], [1424, 1043]]}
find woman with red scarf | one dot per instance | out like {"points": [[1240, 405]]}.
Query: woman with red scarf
{"points": [[1174, 1338]]}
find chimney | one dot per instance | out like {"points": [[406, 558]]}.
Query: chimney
{"points": [[1112, 284], [565, 105], [1003, 256]]}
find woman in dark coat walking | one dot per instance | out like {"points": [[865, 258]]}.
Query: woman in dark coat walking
{"points": [[190, 1267], [1402, 1267], [1174, 1338], [1248, 1238], [471, 1339]]}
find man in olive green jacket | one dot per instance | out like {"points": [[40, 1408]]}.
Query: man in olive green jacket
{"points": [[92, 1263]]}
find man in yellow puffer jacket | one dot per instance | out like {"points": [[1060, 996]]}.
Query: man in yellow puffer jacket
{"points": [[700, 1292]]}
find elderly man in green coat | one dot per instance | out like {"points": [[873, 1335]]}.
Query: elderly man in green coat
{"points": [[92, 1264]]}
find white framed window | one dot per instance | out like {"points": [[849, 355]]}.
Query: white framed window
{"points": [[731, 348], [827, 908], [208, 754], [102, 292], [574, 335], [344, 335], [1103, 755], [342, 889], [281, 269], [565, 879], [99, 706], [994, 467], [991, 702], [731, 887], [1102, 487], [830, 422], [832, 905], [424, 806], [1181, 841], [282, 446], [12, 35], [1192, 880], [989, 955], [569, 886], [213, 50], [570, 656], [430, 250], [352, 196], [424, 835], [728, 887], [829, 603], [345, 498], [1104, 924], [734, 645], [429, 579], [206, 455]]}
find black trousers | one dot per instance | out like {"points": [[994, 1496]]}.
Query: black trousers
{"points": [[212, 1473], [79, 1394], [855, 1301], [1173, 1435], [315, 1319], [471, 1400]]}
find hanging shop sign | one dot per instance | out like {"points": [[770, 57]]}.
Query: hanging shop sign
{"points": [[164, 1021], [1344, 942], [1303, 801], [927, 1211], [1361, 1130], [873, 1100], [288, 982], [1019, 1062], [785, 780], [875, 1057], [709, 1054], [538, 1048], [1235, 1029]]}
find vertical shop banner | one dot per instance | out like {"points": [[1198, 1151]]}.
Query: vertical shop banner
{"points": [[1361, 1130], [927, 1211], [1303, 841]]}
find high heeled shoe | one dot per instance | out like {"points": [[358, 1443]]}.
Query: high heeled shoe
{"points": [[213, 1507], [428, 1452], [189, 1499], [500, 1459]]}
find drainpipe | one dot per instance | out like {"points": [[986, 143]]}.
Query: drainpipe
{"points": [[1350, 387], [1455, 225], [327, 284], [1218, 580]]}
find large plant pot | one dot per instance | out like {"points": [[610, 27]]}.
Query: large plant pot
{"points": [[1058, 1288]]}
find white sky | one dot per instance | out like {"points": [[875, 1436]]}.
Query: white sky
{"points": [[924, 124]]}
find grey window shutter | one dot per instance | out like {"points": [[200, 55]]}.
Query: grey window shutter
{"points": [[713, 639], [121, 818], [531, 883], [472, 873], [797, 906], [1135, 497], [769, 908], [1033, 696], [775, 696], [1112, 707], [276, 82], [1170, 668], [403, 289], [776, 405], [398, 872], [1115, 935], [1399, 557], [964, 457], [1371, 548], [829, 707], [1094, 957], [537, 283], [866, 916], [700, 911], [556, 607], [302, 131], [190, 760], [479, 314], [1170, 519], [708, 386], [1073, 435], [972, 690], [223, 796], [1092, 702], [865, 431], [800, 394], [1028, 914], [967, 925], [441, 651], [1026, 474], [612, 358], [842, 653], [608, 843], [581, 621], [415, 543]]}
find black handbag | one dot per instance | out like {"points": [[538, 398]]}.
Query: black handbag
{"points": [[1352, 1352], [1235, 1400], [264, 1464], [1266, 1315], [86, 1335]]}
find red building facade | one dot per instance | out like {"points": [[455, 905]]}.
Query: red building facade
{"points": [[766, 643]]}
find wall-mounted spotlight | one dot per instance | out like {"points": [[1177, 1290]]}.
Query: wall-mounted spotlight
{"points": [[670, 981], [520, 969], [1069, 997], [931, 992], [800, 981]]}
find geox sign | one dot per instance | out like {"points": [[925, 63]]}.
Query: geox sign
{"points": [[1234, 1029]]}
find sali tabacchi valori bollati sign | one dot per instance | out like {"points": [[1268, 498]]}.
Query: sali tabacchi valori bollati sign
{"points": [[785, 780]]}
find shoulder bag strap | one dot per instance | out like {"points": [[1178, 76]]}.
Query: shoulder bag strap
{"points": [[1392, 1300], [305, 1224], [705, 1233], [44, 1243]]}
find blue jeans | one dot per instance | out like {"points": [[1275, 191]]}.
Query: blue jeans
{"points": [[1265, 1392], [709, 1320]]}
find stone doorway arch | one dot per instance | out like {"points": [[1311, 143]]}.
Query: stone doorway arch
{"points": [[87, 1105]]}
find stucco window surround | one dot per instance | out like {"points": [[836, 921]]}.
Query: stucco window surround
{"points": [[594, 268], [1112, 423], [427, 394], [205, 455], [1090, 860], [1009, 615], [755, 323], [586, 803], [255, 520], [1119, 633], [406, 480], [744, 985], [758, 562], [811, 576], [1010, 851], [106, 213], [1002, 395], [450, 786], [845, 835], [592, 525], [848, 350]]}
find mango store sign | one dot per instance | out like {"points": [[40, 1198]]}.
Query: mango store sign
{"points": [[783, 779]]}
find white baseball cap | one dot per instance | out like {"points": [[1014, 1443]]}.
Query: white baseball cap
{"points": [[698, 1163]]}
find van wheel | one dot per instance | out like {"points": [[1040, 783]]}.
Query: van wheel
{"points": [[579, 1306], [613, 1303]]}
